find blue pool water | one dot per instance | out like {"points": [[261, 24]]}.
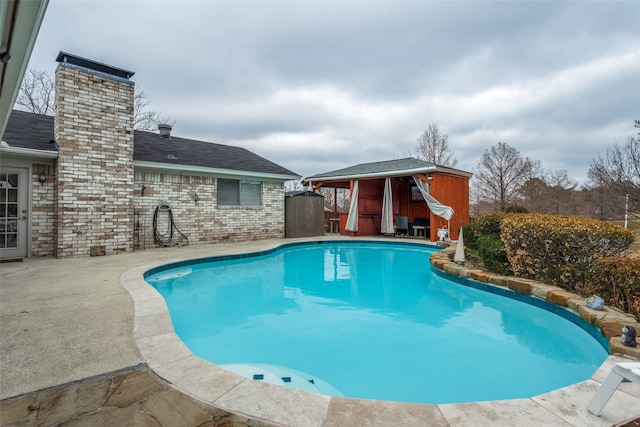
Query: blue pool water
{"points": [[370, 320]]}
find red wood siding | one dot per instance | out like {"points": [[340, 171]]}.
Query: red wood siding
{"points": [[450, 190]]}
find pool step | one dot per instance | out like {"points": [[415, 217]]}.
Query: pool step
{"points": [[283, 376]]}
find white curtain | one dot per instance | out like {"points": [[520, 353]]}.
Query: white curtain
{"points": [[435, 206], [387, 209], [352, 219]]}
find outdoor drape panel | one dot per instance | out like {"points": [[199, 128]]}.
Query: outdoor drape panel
{"points": [[387, 209], [352, 219], [435, 206]]}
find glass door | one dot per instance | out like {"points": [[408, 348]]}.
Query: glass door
{"points": [[13, 212]]}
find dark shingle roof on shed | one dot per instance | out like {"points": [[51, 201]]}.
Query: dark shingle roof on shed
{"points": [[409, 165], [390, 166], [35, 131], [302, 193]]}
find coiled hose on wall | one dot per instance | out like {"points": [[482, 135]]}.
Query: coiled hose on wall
{"points": [[165, 237]]}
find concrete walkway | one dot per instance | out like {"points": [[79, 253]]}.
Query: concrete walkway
{"points": [[63, 320], [68, 320]]}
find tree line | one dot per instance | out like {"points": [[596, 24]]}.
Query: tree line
{"points": [[504, 180]]}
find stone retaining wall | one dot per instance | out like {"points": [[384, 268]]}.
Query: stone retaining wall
{"points": [[609, 321]]}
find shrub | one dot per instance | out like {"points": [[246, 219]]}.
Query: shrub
{"points": [[516, 209], [482, 241], [617, 280], [493, 255], [490, 223], [559, 250], [469, 236]]}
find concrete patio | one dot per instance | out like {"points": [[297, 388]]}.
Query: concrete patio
{"points": [[69, 356]]}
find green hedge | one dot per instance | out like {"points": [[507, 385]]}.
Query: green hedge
{"points": [[575, 253], [559, 250], [490, 223], [617, 281], [470, 236], [493, 255], [482, 240]]}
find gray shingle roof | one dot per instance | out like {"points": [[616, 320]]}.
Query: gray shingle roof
{"points": [[29, 130], [35, 131], [387, 166], [151, 147]]}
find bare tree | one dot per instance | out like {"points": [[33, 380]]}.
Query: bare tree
{"points": [[500, 174], [533, 185], [341, 196], [561, 194], [618, 170], [601, 203], [534, 192], [36, 92], [143, 117], [433, 147], [292, 185]]}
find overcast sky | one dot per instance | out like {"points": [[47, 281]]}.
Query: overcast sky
{"points": [[320, 85]]}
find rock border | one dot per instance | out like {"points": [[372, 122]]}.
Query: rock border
{"points": [[608, 321]]}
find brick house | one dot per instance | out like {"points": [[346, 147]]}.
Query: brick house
{"points": [[83, 182]]}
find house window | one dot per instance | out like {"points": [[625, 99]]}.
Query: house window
{"points": [[233, 192]]}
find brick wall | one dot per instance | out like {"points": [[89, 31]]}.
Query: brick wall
{"points": [[193, 204], [43, 215], [93, 126]]}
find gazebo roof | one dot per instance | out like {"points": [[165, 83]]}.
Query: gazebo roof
{"points": [[397, 167]]}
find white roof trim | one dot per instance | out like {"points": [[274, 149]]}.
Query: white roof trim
{"points": [[452, 171], [28, 152], [429, 169], [212, 171], [374, 174], [20, 22]]}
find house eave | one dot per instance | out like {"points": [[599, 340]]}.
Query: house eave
{"points": [[404, 172], [21, 22], [394, 173], [165, 167], [28, 153], [444, 169]]}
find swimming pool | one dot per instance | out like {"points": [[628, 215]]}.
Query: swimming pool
{"points": [[406, 334]]}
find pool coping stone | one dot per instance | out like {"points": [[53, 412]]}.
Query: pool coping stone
{"points": [[169, 358]]}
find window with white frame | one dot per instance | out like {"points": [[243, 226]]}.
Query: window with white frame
{"points": [[233, 192]]}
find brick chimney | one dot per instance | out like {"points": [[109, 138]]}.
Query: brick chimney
{"points": [[93, 126]]}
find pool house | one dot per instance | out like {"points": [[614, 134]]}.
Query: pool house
{"points": [[408, 196]]}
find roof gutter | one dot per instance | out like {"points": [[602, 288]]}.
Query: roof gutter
{"points": [[21, 20], [404, 172], [213, 171], [28, 153], [452, 171]]}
